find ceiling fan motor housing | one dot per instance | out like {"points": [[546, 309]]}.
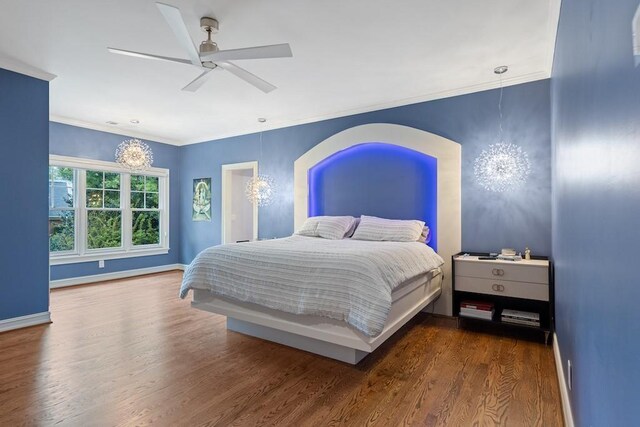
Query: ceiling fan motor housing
{"points": [[210, 26]]}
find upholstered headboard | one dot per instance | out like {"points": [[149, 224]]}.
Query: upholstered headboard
{"points": [[390, 171]]}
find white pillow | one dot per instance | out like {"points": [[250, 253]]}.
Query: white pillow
{"points": [[394, 230], [310, 227], [327, 227]]}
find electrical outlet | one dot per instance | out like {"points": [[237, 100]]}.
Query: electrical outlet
{"points": [[569, 375], [101, 263]]}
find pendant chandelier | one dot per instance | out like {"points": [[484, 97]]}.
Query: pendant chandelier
{"points": [[134, 155], [261, 189], [502, 166]]}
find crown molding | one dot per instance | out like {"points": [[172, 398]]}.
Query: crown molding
{"points": [[113, 129], [17, 66]]}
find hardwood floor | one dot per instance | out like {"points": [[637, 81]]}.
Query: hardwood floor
{"points": [[129, 352]]}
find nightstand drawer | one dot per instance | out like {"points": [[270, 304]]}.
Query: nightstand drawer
{"points": [[517, 272], [536, 291]]}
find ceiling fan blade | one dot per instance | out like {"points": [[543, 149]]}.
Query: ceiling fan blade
{"points": [[252, 79], [174, 18], [258, 52], [197, 82], [147, 55]]}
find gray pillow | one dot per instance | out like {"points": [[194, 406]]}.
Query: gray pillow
{"points": [[352, 230], [393, 230], [327, 227], [426, 235]]}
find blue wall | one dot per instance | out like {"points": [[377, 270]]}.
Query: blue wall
{"points": [[24, 150], [80, 142], [596, 208], [490, 221]]}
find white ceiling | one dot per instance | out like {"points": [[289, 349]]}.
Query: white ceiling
{"points": [[349, 57]]}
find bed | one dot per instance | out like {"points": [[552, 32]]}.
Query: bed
{"points": [[337, 177], [338, 298]]}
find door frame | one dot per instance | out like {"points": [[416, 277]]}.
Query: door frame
{"points": [[226, 194]]}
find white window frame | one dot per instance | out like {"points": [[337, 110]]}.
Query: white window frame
{"points": [[127, 250]]}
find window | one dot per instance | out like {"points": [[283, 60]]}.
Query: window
{"points": [[145, 221], [62, 211], [97, 210], [104, 216]]}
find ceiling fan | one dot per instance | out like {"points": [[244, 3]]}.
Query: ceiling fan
{"points": [[209, 57]]}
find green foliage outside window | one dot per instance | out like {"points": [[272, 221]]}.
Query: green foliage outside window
{"points": [[146, 228], [61, 231], [104, 229]]}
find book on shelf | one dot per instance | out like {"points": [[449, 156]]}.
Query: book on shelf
{"points": [[521, 315], [476, 314], [520, 321], [477, 305]]}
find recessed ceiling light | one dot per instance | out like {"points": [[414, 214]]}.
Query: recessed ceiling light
{"points": [[262, 119], [134, 121], [111, 122], [501, 69]]}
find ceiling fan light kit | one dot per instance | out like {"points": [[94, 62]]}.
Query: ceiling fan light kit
{"points": [[208, 56]]}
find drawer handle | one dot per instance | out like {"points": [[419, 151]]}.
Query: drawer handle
{"points": [[497, 288], [497, 272]]}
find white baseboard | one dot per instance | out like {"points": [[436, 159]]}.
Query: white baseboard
{"points": [[564, 390], [24, 321], [83, 280]]}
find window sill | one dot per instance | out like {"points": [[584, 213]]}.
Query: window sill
{"points": [[134, 253]]}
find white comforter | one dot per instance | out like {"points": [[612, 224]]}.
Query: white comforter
{"points": [[349, 280]]}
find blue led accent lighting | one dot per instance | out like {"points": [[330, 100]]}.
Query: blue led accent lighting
{"points": [[377, 179]]}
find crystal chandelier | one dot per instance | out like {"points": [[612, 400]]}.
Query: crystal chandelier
{"points": [[261, 189], [502, 166], [134, 154]]}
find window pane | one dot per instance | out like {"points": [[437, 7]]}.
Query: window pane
{"points": [[112, 180], [94, 198], [60, 187], [65, 174], [61, 230], [146, 228], [152, 200], [137, 200], [152, 183], [137, 182], [104, 229], [111, 199], [94, 179]]}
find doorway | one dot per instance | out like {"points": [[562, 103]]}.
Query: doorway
{"points": [[239, 215]]}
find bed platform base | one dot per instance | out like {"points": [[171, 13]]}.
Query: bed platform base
{"points": [[326, 337], [312, 345]]}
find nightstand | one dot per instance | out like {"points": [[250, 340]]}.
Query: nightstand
{"points": [[524, 286]]}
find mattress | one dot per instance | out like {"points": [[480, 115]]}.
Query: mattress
{"points": [[348, 280]]}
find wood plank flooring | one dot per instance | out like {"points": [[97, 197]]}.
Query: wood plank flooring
{"points": [[129, 352]]}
